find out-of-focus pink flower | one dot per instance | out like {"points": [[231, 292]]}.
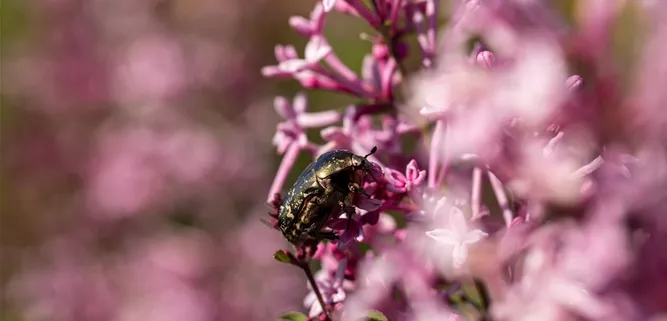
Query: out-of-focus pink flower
{"points": [[333, 289], [132, 166], [554, 174], [53, 288], [328, 4], [457, 235], [545, 294], [158, 280], [151, 69]]}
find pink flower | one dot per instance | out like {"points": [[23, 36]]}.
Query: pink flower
{"points": [[403, 183], [316, 50], [353, 228], [457, 235], [333, 289], [328, 4], [314, 25], [350, 135], [544, 293], [292, 130]]}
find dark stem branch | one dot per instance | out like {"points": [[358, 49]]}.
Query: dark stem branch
{"points": [[309, 274]]}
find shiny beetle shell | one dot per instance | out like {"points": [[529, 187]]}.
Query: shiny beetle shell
{"points": [[325, 186]]}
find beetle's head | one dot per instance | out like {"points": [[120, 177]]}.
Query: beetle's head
{"points": [[362, 162]]}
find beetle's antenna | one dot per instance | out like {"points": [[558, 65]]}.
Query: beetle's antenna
{"points": [[373, 150]]}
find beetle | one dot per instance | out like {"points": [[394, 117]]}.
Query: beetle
{"points": [[326, 185]]}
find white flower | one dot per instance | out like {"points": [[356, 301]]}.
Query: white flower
{"points": [[458, 235]]}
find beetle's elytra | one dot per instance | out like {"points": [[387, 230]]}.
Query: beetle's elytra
{"points": [[327, 185]]}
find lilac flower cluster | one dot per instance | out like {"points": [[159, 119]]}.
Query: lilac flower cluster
{"points": [[538, 186]]}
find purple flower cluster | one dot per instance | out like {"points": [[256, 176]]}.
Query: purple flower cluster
{"points": [[524, 176]]}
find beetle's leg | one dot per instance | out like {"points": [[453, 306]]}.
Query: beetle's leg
{"points": [[326, 235], [346, 205], [355, 188]]}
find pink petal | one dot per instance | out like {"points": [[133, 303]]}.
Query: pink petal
{"points": [[396, 181], [346, 239], [574, 82], [457, 221], [334, 134], [486, 59], [315, 310], [285, 52], [440, 205], [308, 79], [279, 52], [300, 103], [328, 5], [293, 65], [282, 142], [321, 251], [339, 296], [273, 71], [577, 298], [371, 217], [459, 254], [310, 299], [320, 119], [284, 108], [368, 204], [338, 224], [443, 236], [317, 17], [348, 117], [370, 72], [433, 112], [474, 236], [359, 232], [517, 221], [301, 25], [413, 174], [317, 49], [376, 172]]}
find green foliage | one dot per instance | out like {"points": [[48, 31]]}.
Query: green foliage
{"points": [[282, 256], [375, 315], [293, 316]]}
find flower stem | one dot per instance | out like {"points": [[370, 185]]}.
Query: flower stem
{"points": [[498, 189], [476, 192], [309, 274], [435, 151], [285, 165]]}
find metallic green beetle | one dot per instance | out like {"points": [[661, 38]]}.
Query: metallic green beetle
{"points": [[328, 184]]}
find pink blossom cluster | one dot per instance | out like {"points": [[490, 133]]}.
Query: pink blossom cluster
{"points": [[521, 169]]}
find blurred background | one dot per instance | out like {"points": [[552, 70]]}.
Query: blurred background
{"points": [[137, 157]]}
